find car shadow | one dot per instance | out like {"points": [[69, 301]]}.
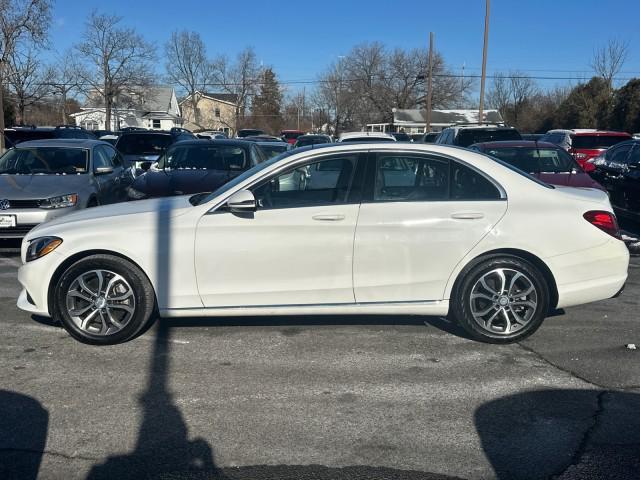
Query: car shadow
{"points": [[23, 435]]}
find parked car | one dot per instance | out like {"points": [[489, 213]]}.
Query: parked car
{"points": [[112, 139], [290, 136], [273, 149], [416, 137], [45, 179], [360, 137], [196, 166], [618, 170], [249, 132], [312, 139], [584, 144], [143, 147], [263, 138], [429, 137], [456, 233], [25, 134], [401, 136], [465, 135], [211, 135], [545, 161]]}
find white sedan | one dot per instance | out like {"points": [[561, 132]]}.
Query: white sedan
{"points": [[382, 228]]}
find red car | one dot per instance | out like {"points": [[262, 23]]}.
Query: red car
{"points": [[544, 160], [585, 144], [290, 136]]}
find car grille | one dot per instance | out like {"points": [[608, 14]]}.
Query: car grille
{"points": [[17, 231], [24, 203]]}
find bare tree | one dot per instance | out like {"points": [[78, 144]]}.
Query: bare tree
{"points": [[187, 66], [116, 58], [523, 88], [499, 95], [510, 93], [65, 81], [28, 79], [20, 20], [240, 78], [607, 61]]}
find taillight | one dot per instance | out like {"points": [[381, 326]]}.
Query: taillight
{"points": [[580, 155], [588, 167], [605, 221]]}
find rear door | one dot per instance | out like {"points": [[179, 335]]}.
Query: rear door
{"points": [[422, 213]]}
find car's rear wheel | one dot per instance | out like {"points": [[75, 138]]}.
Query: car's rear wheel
{"points": [[501, 299], [103, 300]]}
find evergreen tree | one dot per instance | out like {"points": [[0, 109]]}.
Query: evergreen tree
{"points": [[626, 110], [587, 106], [266, 108]]}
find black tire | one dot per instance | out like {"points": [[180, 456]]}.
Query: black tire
{"points": [[145, 301], [461, 300], [92, 203]]}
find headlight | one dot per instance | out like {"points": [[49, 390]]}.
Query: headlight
{"points": [[39, 247], [135, 194], [62, 201]]}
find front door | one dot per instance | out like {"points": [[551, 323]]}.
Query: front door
{"points": [[296, 249], [420, 216]]}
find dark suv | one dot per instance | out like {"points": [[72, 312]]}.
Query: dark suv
{"points": [[465, 135], [24, 134], [146, 146]]}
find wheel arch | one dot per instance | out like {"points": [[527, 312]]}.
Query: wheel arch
{"points": [[79, 256], [513, 252]]}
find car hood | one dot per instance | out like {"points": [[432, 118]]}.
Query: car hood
{"points": [[578, 179], [33, 187], [175, 206], [180, 182]]}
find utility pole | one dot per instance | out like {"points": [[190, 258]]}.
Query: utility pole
{"points": [[429, 83], [484, 62]]}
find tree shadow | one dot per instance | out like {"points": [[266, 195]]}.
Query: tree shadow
{"points": [[562, 434], [23, 435]]}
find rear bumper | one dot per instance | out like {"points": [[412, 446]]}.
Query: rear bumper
{"points": [[590, 275]]}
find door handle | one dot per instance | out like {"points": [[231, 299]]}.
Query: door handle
{"points": [[328, 218], [467, 215]]}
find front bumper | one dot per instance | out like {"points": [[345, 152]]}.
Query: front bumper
{"points": [[29, 218], [35, 277]]}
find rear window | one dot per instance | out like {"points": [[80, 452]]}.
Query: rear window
{"points": [[204, 157], [291, 135], [535, 160], [143, 144], [596, 141], [468, 137], [305, 141]]}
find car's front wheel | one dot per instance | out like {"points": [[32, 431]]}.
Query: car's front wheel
{"points": [[501, 299], [103, 300]]}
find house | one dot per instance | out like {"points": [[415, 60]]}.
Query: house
{"points": [[415, 121], [154, 108], [215, 111]]}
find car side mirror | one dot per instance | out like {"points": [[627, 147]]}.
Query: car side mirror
{"points": [[242, 201], [103, 170]]}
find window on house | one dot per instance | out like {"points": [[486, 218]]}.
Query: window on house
{"points": [[156, 123], [217, 113]]}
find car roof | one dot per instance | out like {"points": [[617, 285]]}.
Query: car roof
{"points": [[365, 134], [485, 126], [63, 142], [589, 132], [272, 144], [516, 143], [216, 141]]}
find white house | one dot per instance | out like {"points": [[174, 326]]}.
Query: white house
{"points": [[414, 121], [155, 108]]}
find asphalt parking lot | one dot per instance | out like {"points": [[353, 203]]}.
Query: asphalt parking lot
{"points": [[327, 398]]}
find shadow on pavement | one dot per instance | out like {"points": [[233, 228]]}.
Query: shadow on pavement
{"points": [[23, 436], [564, 434]]}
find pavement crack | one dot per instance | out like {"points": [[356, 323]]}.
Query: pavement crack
{"points": [[49, 452], [562, 369], [586, 436]]}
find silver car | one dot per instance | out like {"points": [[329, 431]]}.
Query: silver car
{"points": [[44, 179]]}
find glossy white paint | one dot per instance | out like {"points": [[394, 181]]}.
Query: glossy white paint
{"points": [[397, 257]]}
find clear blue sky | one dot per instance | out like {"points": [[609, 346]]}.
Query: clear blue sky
{"points": [[299, 39]]}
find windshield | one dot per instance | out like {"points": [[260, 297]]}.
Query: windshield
{"points": [[273, 150], [535, 160], [17, 136], [143, 144], [199, 199], [596, 141], [470, 136], [44, 161], [204, 157]]}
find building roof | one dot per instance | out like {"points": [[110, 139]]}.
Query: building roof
{"points": [[445, 117], [231, 98], [154, 99]]}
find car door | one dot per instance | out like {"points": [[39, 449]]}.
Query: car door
{"points": [[122, 176], [420, 215], [296, 249], [610, 173], [105, 181]]}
